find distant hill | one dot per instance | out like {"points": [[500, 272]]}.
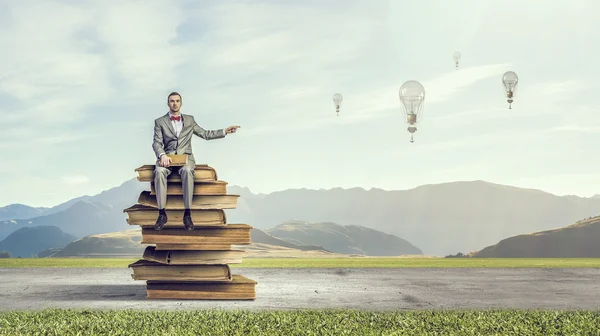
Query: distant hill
{"points": [[260, 237], [81, 219], [116, 196], [261, 250], [85, 215], [440, 219], [127, 244], [348, 239], [29, 241], [579, 240], [115, 244], [20, 211]]}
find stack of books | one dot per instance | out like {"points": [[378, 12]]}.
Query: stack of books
{"points": [[182, 264]]}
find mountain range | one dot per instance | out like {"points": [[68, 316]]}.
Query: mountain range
{"points": [[348, 239], [437, 219], [81, 216], [578, 240], [28, 241], [333, 239]]}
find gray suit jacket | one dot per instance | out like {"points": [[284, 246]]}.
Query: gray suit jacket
{"points": [[166, 140]]}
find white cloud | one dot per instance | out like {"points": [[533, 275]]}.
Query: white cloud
{"points": [[470, 116], [75, 179], [137, 39], [101, 71], [49, 70], [34, 139], [464, 140], [560, 87], [552, 92], [8, 168], [441, 88], [575, 128], [261, 36]]}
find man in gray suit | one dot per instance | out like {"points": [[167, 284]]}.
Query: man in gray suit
{"points": [[173, 135]]}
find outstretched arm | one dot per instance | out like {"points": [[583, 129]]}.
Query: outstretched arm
{"points": [[157, 143], [208, 135]]}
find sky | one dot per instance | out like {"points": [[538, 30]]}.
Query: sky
{"points": [[81, 85]]}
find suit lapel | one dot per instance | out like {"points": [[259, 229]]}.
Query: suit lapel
{"points": [[187, 122], [167, 121]]}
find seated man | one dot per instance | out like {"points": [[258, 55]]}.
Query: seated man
{"points": [[173, 135]]}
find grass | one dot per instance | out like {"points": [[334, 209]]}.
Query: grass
{"points": [[329, 262], [299, 322], [304, 322]]}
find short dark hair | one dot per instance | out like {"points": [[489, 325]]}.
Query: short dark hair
{"points": [[174, 94]]}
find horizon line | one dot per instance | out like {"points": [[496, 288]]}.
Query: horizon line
{"points": [[324, 189]]}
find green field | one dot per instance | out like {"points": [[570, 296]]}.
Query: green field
{"points": [[327, 262], [304, 322]]}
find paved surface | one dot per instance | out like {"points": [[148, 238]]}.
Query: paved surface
{"points": [[356, 288]]}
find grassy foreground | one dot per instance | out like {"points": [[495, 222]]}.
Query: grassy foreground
{"points": [[306, 322], [327, 262]]}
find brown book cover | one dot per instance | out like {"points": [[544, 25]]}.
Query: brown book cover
{"points": [[192, 247], [178, 160], [200, 188], [183, 257], [239, 288], [145, 216], [200, 202], [232, 234], [149, 270], [202, 172]]}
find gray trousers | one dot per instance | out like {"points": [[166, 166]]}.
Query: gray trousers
{"points": [[187, 182]]}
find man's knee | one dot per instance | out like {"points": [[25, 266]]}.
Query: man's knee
{"points": [[161, 171], [186, 170]]}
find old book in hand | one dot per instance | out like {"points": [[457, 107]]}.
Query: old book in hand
{"points": [[178, 159]]}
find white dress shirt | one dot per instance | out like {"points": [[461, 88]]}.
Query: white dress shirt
{"points": [[177, 125]]}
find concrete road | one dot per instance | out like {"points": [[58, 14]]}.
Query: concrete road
{"points": [[355, 288]]}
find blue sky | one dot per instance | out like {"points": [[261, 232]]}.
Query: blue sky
{"points": [[80, 86]]}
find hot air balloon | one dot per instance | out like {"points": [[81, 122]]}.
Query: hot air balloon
{"points": [[337, 100], [411, 129], [457, 56], [412, 96], [510, 81]]}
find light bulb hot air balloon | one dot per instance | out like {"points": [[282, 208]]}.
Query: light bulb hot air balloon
{"points": [[337, 101], [412, 96], [457, 56], [510, 81]]}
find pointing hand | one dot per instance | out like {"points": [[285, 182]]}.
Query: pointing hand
{"points": [[231, 129]]}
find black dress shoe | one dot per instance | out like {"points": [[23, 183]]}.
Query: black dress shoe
{"points": [[187, 222], [160, 222]]}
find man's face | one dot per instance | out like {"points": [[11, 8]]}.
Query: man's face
{"points": [[175, 103]]}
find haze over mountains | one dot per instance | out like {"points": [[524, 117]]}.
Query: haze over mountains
{"points": [[332, 238], [438, 219], [291, 237], [349, 239], [28, 241], [83, 215], [578, 240]]}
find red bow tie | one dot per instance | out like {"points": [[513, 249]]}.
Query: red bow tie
{"points": [[178, 118]]}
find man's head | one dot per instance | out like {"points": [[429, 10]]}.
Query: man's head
{"points": [[174, 102]]}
